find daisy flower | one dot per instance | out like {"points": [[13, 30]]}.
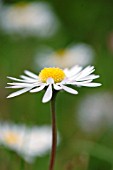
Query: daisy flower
{"points": [[95, 111], [35, 19], [27, 142], [76, 54], [52, 79]]}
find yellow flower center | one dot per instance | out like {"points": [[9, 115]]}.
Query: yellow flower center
{"points": [[56, 73], [61, 53], [11, 138], [21, 5]]}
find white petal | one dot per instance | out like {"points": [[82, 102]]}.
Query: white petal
{"points": [[85, 72], [56, 87], [66, 79], [14, 87], [92, 76], [38, 89], [68, 89], [66, 70], [76, 69], [92, 84], [22, 84], [79, 83], [28, 78], [73, 71], [19, 92], [30, 74], [12, 78], [48, 94], [50, 81]]}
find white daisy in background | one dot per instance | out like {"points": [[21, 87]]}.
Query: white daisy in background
{"points": [[12, 135], [95, 111], [36, 18], [77, 54], [54, 78], [27, 142]]}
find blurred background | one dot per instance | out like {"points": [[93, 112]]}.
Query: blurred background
{"points": [[37, 34]]}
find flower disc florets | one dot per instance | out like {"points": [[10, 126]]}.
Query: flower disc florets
{"points": [[56, 73], [11, 138]]}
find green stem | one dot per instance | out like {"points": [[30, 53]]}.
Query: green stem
{"points": [[22, 164], [54, 134]]}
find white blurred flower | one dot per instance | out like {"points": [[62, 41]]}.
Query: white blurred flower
{"points": [[36, 18], [27, 142], [95, 111], [77, 54]]}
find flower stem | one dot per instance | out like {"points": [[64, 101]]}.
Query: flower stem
{"points": [[54, 134], [22, 164]]}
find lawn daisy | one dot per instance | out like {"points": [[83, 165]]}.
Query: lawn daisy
{"points": [[25, 141], [34, 19], [95, 112], [76, 54], [52, 79]]}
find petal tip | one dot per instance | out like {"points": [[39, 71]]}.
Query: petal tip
{"points": [[99, 84], [8, 97], [45, 101]]}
